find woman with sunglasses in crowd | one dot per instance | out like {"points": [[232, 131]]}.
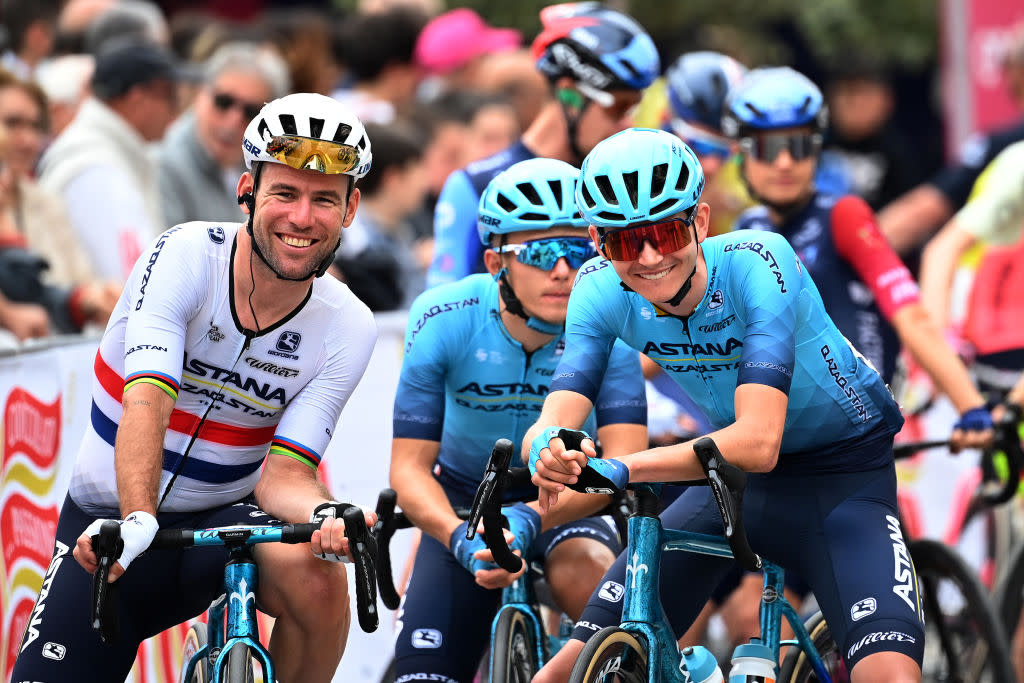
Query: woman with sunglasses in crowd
{"points": [[737, 321], [479, 355], [777, 115]]}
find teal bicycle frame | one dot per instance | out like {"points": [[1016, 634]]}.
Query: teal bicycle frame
{"points": [[642, 612]]}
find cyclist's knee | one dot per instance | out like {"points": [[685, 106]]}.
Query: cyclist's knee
{"points": [[305, 587], [892, 667], [573, 569], [741, 610]]}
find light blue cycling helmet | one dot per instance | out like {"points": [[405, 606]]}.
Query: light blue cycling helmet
{"points": [[535, 194], [638, 175], [770, 98], [698, 83]]}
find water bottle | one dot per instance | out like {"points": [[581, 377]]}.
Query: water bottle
{"points": [[700, 665], [752, 663]]}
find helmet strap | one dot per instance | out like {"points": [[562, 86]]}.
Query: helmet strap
{"points": [[514, 306], [685, 289], [574, 105]]}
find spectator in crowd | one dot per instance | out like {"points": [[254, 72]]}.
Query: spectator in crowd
{"points": [[200, 158], [304, 37], [597, 62], [378, 257], [99, 164], [75, 16], [453, 47], [376, 51], [138, 20], [910, 219], [31, 29], [513, 75], [65, 80], [879, 163], [24, 288], [493, 127]]}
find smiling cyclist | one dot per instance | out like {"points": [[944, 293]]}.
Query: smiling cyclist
{"points": [[738, 323]]}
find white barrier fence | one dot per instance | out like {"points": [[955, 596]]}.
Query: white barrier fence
{"points": [[45, 396]]}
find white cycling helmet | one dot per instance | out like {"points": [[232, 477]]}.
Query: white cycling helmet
{"points": [[308, 131]]}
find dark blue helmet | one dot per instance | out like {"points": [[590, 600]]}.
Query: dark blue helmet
{"points": [[771, 98], [698, 83], [599, 48]]}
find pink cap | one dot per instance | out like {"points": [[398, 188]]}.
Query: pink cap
{"points": [[451, 40]]}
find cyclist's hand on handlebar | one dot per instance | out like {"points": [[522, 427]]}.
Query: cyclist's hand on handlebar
{"points": [[972, 430], [137, 532], [602, 476], [554, 466], [329, 542], [470, 552], [491, 576], [524, 523]]}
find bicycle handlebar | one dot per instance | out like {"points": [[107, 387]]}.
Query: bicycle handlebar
{"points": [[487, 506], [727, 484], [108, 546], [993, 490]]}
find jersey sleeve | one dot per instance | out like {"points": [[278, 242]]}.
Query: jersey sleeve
{"points": [[457, 246], [860, 243], [161, 302], [588, 337], [420, 397], [310, 418], [995, 212], [622, 397], [769, 276]]}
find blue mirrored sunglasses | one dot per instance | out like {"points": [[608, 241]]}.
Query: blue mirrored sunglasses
{"points": [[701, 142], [545, 253]]}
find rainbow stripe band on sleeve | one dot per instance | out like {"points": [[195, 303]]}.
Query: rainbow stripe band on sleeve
{"points": [[165, 382], [294, 449]]}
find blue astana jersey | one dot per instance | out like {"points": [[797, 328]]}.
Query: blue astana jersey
{"points": [[761, 321], [465, 382]]}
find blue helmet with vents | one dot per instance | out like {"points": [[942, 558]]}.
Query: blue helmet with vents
{"points": [[601, 49], [639, 175], [770, 98], [698, 83], [535, 194]]}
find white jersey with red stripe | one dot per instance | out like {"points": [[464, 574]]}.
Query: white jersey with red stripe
{"points": [[279, 391]]}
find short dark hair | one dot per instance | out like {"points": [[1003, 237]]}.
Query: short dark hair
{"points": [[394, 145], [366, 43], [19, 15]]}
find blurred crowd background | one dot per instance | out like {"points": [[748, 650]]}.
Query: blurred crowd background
{"points": [[121, 118]]}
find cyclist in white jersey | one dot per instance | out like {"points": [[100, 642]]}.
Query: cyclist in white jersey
{"points": [[217, 386]]}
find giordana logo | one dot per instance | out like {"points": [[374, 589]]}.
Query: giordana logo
{"points": [[611, 591], [289, 341], [216, 234], [717, 299], [55, 651], [426, 638], [863, 608]]}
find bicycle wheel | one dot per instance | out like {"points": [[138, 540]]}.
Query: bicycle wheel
{"points": [[964, 640], [612, 655], [195, 639], [1009, 597], [796, 667], [513, 649], [239, 667]]}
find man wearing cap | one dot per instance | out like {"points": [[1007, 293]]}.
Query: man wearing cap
{"points": [[597, 62], [452, 44], [99, 164]]}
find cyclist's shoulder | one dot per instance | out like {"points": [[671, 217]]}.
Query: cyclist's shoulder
{"points": [[460, 303], [754, 218], [482, 171]]}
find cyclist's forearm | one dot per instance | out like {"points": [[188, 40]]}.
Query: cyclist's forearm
{"points": [[139, 447], [928, 347], [938, 264], [289, 490], [424, 501]]}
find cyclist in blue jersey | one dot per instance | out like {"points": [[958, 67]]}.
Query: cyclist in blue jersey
{"points": [[739, 324], [778, 117], [480, 354], [597, 61]]}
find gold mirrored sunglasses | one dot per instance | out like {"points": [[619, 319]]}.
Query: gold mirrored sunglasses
{"points": [[313, 155]]}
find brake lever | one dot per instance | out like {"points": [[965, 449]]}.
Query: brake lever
{"points": [[107, 545], [363, 551]]}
